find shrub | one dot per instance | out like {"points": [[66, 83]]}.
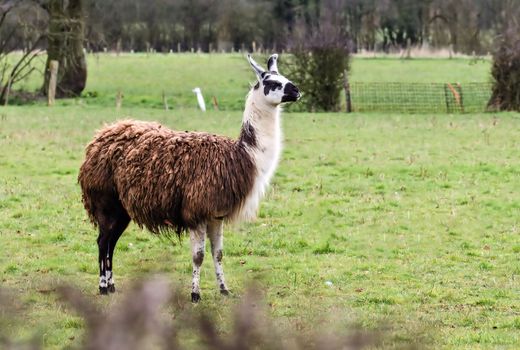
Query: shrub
{"points": [[506, 72], [317, 67]]}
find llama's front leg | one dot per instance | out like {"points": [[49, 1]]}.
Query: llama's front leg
{"points": [[216, 237], [197, 239]]}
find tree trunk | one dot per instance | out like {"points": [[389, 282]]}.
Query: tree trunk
{"points": [[65, 45]]}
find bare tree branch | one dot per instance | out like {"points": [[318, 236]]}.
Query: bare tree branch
{"points": [[20, 68], [28, 53]]}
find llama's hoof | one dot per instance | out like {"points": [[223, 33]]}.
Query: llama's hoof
{"points": [[225, 292], [112, 288], [103, 290], [195, 297]]}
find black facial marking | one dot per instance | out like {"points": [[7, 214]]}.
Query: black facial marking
{"points": [[257, 85], [248, 134], [271, 85]]}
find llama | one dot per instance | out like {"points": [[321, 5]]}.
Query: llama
{"points": [[169, 180]]}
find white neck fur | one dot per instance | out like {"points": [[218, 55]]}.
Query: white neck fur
{"points": [[265, 120]]}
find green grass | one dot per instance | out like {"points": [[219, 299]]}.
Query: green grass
{"points": [[413, 219], [143, 78]]}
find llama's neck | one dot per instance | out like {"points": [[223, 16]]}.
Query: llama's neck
{"points": [[262, 136]]}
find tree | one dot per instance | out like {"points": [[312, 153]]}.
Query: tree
{"points": [[506, 65], [65, 45], [466, 25], [20, 28]]}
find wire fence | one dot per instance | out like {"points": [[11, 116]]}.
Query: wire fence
{"points": [[419, 97]]}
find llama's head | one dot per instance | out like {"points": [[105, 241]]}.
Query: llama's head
{"points": [[272, 86]]}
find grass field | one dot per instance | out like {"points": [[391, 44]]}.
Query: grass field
{"points": [[413, 219], [143, 78]]}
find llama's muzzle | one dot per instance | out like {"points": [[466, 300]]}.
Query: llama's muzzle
{"points": [[291, 93]]}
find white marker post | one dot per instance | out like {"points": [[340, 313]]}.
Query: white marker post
{"points": [[200, 99]]}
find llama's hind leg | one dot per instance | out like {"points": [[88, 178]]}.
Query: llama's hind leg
{"points": [[216, 237], [121, 222], [112, 219], [198, 244], [102, 241]]}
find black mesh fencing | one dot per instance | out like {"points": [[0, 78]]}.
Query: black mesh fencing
{"points": [[419, 97]]}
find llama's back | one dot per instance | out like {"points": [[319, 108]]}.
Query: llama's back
{"points": [[165, 179]]}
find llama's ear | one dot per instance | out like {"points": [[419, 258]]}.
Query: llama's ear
{"points": [[256, 67], [272, 65]]}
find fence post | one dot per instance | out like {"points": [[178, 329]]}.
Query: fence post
{"points": [[459, 87], [446, 97], [346, 86], [51, 93], [165, 101], [456, 96], [119, 99]]}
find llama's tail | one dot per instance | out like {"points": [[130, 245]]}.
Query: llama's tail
{"points": [[90, 206]]}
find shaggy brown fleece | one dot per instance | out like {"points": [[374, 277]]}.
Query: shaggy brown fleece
{"points": [[165, 179]]}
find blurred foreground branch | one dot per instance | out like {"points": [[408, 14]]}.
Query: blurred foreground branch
{"points": [[153, 315]]}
